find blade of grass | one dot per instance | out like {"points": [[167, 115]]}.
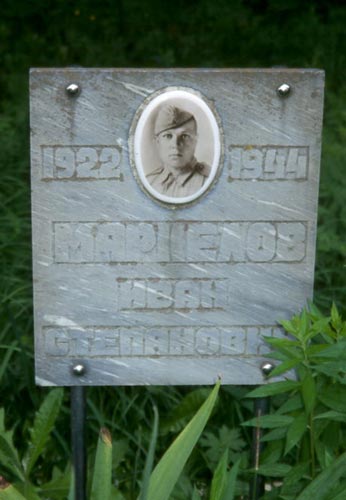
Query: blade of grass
{"points": [[102, 476], [231, 482], [195, 495], [8, 491], [320, 486], [218, 483], [150, 458], [169, 468]]}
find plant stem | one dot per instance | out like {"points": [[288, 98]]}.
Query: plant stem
{"points": [[312, 446]]}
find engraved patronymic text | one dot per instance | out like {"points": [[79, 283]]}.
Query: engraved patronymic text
{"points": [[172, 341], [268, 162], [179, 242], [81, 162]]}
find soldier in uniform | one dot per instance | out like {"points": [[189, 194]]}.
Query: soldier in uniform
{"points": [[179, 174]]}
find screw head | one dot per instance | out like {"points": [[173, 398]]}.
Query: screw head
{"points": [[78, 370], [73, 89], [284, 90], [267, 368]]}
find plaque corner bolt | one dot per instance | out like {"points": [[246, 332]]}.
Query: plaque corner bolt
{"points": [[267, 368], [73, 89], [284, 90], [78, 370]]}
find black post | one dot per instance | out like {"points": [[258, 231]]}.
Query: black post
{"points": [[78, 418], [261, 406]]}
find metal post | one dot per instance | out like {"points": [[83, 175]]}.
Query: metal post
{"points": [[261, 406], [78, 418]]}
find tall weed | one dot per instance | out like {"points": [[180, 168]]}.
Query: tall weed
{"points": [[306, 429]]}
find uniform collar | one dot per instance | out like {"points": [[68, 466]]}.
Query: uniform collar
{"points": [[182, 178]]}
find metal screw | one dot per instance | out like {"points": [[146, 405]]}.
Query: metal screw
{"points": [[73, 89], [284, 90], [267, 368], [78, 370]]}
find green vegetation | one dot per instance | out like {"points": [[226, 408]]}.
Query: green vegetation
{"points": [[306, 429], [305, 436]]}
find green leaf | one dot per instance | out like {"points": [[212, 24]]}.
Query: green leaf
{"points": [[291, 326], [9, 492], [316, 350], [293, 403], [335, 351], [274, 435], [314, 310], [231, 482], [269, 421], [219, 478], [28, 490], [195, 495], [273, 388], [43, 425], [309, 392], [8, 453], [184, 411], [216, 444], [284, 343], [335, 317], [150, 457], [294, 475], [119, 449], [58, 485], [334, 368], [272, 453], [337, 493], [304, 326], [102, 476], [7, 358], [332, 415], [2, 422], [334, 397], [274, 470], [71, 491], [284, 349], [320, 486], [341, 495], [286, 366], [115, 494], [9, 458], [295, 432], [325, 450], [169, 468]]}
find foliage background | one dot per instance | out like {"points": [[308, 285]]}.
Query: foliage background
{"points": [[150, 33]]}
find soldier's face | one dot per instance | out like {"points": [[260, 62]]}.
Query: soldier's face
{"points": [[176, 146]]}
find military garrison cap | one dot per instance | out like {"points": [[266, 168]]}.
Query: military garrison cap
{"points": [[171, 117]]}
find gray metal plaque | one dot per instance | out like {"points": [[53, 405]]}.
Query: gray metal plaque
{"points": [[174, 220]]}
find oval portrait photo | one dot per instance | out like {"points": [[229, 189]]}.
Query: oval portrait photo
{"points": [[176, 148]]}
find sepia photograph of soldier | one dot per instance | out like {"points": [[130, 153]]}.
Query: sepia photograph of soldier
{"points": [[179, 173], [175, 146]]}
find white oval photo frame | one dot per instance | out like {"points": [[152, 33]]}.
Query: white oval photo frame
{"points": [[208, 148]]}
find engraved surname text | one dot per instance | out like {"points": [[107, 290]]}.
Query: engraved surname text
{"points": [[179, 242]]}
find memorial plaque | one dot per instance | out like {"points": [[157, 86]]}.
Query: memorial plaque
{"points": [[174, 220]]}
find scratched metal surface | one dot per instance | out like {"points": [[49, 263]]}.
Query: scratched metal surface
{"points": [[142, 293]]}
